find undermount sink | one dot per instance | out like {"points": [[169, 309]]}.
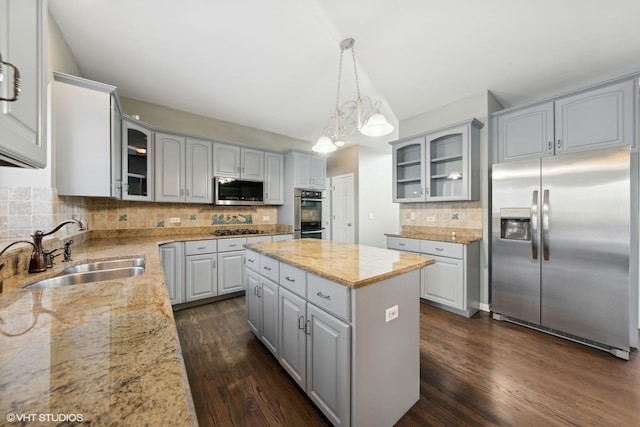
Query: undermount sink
{"points": [[93, 272], [105, 265]]}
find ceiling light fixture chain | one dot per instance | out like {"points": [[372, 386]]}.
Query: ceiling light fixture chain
{"points": [[362, 114]]}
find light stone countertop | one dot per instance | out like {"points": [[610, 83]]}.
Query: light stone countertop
{"points": [[345, 263], [462, 236], [108, 351]]}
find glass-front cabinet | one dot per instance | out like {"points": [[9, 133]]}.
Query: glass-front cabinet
{"points": [[442, 165], [137, 162]]}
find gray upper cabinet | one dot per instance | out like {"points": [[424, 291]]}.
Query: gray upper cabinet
{"points": [[309, 171], [443, 165], [233, 161], [23, 30], [85, 110], [526, 133], [183, 169], [596, 119], [273, 179], [137, 162], [589, 119]]}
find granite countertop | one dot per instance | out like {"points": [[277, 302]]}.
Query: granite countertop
{"points": [[461, 236], [345, 263], [108, 351]]}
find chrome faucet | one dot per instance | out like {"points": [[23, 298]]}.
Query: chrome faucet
{"points": [[47, 256]]}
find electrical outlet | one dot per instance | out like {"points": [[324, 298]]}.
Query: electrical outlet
{"points": [[371, 215], [391, 313], [412, 215], [431, 219], [174, 220], [265, 217]]}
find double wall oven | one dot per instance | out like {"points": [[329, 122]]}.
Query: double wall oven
{"points": [[307, 216]]}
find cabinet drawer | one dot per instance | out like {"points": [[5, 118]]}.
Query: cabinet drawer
{"points": [[279, 237], [197, 247], [403, 244], [332, 297], [258, 239], [293, 279], [252, 260], [432, 247], [235, 244], [269, 268]]}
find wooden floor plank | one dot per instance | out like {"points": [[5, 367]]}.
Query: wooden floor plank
{"points": [[474, 371]]}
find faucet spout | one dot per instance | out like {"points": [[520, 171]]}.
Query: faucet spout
{"points": [[37, 242]]}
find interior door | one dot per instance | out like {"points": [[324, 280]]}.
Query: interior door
{"points": [[515, 282], [342, 205], [586, 244]]}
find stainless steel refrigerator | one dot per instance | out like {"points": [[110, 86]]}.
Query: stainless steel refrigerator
{"points": [[565, 246]]}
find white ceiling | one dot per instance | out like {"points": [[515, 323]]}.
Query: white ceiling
{"points": [[273, 64]]}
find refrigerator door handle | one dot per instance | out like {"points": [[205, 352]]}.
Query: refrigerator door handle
{"points": [[534, 225], [545, 226]]}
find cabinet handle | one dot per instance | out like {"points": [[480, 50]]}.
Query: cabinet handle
{"points": [[422, 191], [255, 290], [559, 146], [201, 248], [267, 268], [258, 293], [243, 169], [238, 169], [182, 192], [550, 149], [402, 244], [290, 279], [307, 329], [16, 81], [301, 322], [233, 245], [439, 249], [214, 265], [321, 295], [250, 260], [187, 192]]}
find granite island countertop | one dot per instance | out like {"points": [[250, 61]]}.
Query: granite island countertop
{"points": [[345, 263], [108, 351], [460, 236]]}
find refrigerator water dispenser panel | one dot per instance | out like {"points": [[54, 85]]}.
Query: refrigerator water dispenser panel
{"points": [[515, 224]]}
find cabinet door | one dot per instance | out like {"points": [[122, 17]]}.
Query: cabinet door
{"points": [[226, 160], [269, 300], [328, 364], [254, 307], [252, 164], [23, 30], [137, 162], [274, 179], [230, 271], [318, 172], [169, 168], [301, 170], [199, 171], [409, 171], [172, 259], [201, 277], [526, 133], [596, 119], [447, 165], [292, 338], [443, 282]]}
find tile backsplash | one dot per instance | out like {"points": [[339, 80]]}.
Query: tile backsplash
{"points": [[25, 209], [459, 215]]}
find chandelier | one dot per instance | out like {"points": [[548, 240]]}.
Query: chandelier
{"points": [[362, 114]]}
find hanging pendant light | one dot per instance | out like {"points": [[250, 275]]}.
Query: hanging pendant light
{"points": [[361, 114]]}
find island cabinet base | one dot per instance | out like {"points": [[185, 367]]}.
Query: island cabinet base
{"points": [[354, 351], [385, 355]]}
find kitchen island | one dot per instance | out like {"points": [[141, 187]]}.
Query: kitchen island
{"points": [[344, 321]]}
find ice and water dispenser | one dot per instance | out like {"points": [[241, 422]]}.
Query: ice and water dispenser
{"points": [[515, 224]]}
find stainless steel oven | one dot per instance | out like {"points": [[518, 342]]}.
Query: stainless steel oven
{"points": [[307, 214]]}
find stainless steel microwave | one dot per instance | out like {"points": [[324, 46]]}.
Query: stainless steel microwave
{"points": [[231, 191]]}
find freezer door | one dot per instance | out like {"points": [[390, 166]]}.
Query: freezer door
{"points": [[515, 268], [586, 243]]}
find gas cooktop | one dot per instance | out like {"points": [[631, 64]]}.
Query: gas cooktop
{"points": [[236, 232]]}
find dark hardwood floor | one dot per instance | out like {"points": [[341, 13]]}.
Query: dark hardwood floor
{"points": [[474, 371]]}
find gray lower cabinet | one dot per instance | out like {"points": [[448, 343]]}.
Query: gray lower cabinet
{"points": [[453, 282], [584, 120], [172, 259], [262, 309], [230, 268], [201, 276]]}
